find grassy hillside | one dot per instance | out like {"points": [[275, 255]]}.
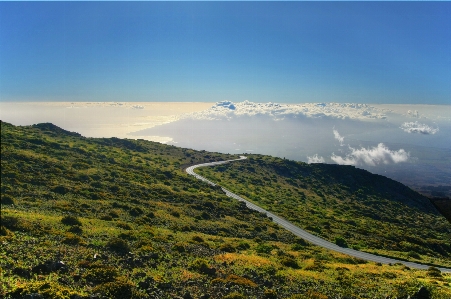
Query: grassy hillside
{"points": [[343, 204], [112, 218]]}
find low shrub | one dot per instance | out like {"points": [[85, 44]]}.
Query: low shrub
{"points": [[434, 272], [106, 217], [340, 241], [270, 294], [288, 261], [202, 266], [118, 245], [47, 289], [76, 229], [101, 274], [175, 214], [263, 248], [71, 220], [136, 211], [123, 225], [179, 247], [119, 289], [71, 239], [197, 239], [7, 200], [227, 247], [243, 246], [234, 295]]}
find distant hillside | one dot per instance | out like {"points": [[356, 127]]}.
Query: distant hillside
{"points": [[364, 211], [114, 218]]}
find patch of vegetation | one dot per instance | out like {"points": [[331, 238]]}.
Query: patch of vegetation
{"points": [[112, 218]]}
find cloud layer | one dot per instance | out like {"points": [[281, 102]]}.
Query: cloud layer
{"points": [[372, 156], [229, 110], [419, 128]]}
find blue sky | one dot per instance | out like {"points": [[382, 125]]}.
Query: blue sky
{"points": [[287, 52]]}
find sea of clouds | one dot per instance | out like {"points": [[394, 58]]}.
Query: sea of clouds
{"points": [[229, 110], [388, 139]]}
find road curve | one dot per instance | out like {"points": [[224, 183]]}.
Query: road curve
{"points": [[302, 233]]}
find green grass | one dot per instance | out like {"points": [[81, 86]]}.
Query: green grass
{"points": [[126, 221]]}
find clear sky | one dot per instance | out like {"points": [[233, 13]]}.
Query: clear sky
{"points": [[288, 52]]}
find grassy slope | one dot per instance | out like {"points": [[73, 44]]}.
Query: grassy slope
{"points": [[127, 222], [370, 212]]}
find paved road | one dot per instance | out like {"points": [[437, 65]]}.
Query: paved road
{"points": [[302, 233]]}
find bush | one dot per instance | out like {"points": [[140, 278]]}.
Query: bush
{"points": [[198, 239], [127, 236], [202, 266], [119, 289], [46, 289], [11, 222], [71, 239], [118, 245], [7, 200], [270, 294], [76, 229], [4, 231], [101, 274], [106, 217], [235, 279], [227, 247], [340, 241], [175, 214], [136, 211], [71, 220], [243, 246], [289, 262], [263, 248], [178, 247], [414, 255], [434, 272], [234, 295], [123, 225]]}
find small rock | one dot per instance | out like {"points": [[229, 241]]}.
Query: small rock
{"points": [[204, 296]]}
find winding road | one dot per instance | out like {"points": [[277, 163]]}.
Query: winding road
{"points": [[302, 233]]}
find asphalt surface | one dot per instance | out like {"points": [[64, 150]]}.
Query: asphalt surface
{"points": [[302, 233]]}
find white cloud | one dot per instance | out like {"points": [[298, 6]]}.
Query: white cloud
{"points": [[315, 159], [372, 156], [339, 137], [229, 110], [419, 128]]}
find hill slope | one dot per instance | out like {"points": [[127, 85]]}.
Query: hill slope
{"points": [[112, 218], [343, 204]]}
